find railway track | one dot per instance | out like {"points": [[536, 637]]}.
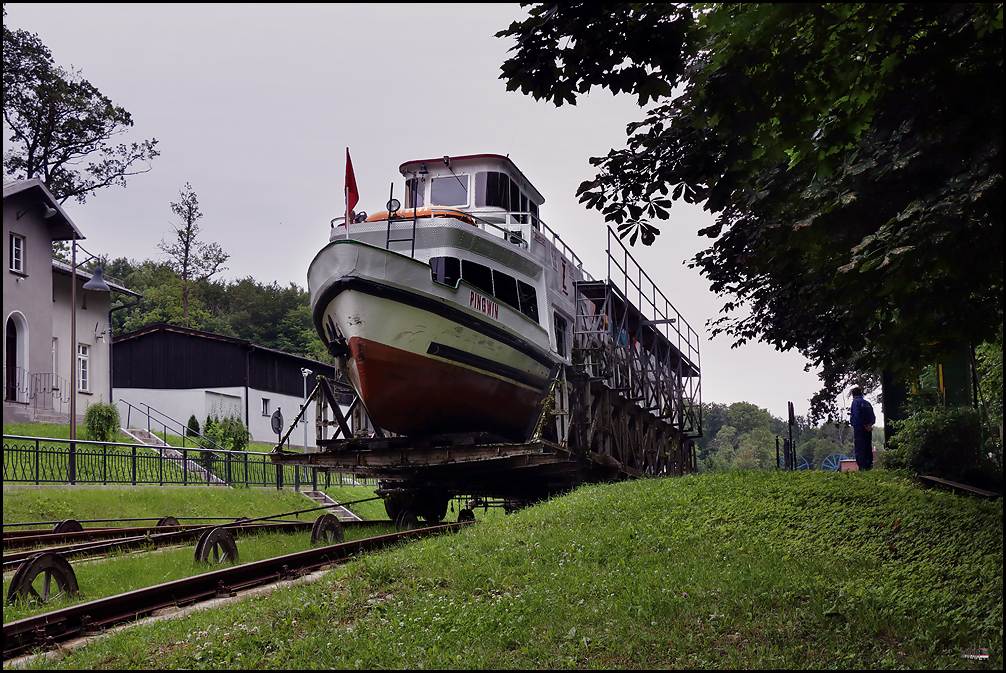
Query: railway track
{"points": [[141, 538], [47, 630]]}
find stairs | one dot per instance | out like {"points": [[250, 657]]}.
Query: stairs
{"points": [[157, 444], [335, 508]]}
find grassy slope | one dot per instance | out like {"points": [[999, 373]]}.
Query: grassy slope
{"points": [[739, 570]]}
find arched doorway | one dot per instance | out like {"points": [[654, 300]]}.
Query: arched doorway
{"points": [[15, 362], [10, 361]]}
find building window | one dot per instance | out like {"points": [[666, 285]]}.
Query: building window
{"points": [[17, 253], [265, 407], [83, 368]]}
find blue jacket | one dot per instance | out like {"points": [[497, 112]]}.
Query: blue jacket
{"points": [[861, 413]]}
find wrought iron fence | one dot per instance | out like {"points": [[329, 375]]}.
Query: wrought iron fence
{"points": [[43, 392], [40, 460]]}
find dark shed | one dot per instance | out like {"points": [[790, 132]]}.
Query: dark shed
{"points": [[168, 357]]}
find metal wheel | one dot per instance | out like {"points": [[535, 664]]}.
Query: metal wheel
{"points": [[167, 522], [801, 463], [407, 520], [26, 585], [217, 546], [67, 526], [433, 506], [833, 462], [393, 505], [466, 515], [327, 530]]}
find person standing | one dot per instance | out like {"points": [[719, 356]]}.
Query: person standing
{"points": [[862, 418]]}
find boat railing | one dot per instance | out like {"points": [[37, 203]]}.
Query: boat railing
{"points": [[525, 224], [517, 227]]}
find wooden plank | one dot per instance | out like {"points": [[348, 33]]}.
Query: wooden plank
{"points": [[963, 487]]}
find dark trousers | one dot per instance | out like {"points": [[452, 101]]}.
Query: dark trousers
{"points": [[863, 441]]}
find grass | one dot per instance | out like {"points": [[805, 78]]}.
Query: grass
{"points": [[728, 570]]}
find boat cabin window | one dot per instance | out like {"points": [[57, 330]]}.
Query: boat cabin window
{"points": [[452, 191], [502, 286], [505, 287], [497, 190], [479, 276], [446, 270], [528, 300], [560, 335], [414, 187]]}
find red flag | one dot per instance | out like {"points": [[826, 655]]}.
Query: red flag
{"points": [[352, 193]]}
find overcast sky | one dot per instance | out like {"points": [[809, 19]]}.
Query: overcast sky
{"points": [[255, 105]]}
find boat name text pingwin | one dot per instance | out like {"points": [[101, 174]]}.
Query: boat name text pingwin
{"points": [[484, 305]]}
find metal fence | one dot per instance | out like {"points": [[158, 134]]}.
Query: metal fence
{"points": [[39, 460]]}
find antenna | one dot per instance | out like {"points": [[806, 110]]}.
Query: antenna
{"points": [[511, 141]]}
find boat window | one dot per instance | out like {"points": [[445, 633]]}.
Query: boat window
{"points": [[506, 289], [528, 300], [450, 191], [533, 207], [446, 270], [492, 189], [479, 276], [560, 335], [410, 185]]}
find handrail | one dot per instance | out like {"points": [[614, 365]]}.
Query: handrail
{"points": [[185, 431]]}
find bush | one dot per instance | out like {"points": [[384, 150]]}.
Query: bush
{"points": [[229, 432], [101, 422], [193, 426], [947, 442]]}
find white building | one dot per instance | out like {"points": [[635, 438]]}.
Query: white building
{"points": [[39, 355]]}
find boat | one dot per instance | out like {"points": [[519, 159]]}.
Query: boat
{"points": [[453, 312]]}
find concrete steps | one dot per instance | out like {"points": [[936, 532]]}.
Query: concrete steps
{"points": [[335, 508], [156, 443]]}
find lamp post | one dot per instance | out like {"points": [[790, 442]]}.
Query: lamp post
{"points": [[305, 372], [97, 284]]}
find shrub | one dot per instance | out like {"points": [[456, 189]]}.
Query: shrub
{"points": [[946, 442], [101, 422], [193, 426]]}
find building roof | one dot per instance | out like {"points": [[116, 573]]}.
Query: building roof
{"points": [[115, 284], [162, 327], [62, 227]]}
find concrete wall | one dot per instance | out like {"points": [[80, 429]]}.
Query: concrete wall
{"points": [[27, 297], [92, 331], [180, 404]]}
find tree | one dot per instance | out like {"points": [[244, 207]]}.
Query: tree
{"points": [[191, 259], [58, 121], [850, 153]]}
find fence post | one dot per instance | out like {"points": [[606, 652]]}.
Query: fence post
{"points": [[228, 469], [132, 462], [185, 467], [38, 464]]}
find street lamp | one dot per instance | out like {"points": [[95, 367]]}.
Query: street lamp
{"points": [[305, 372], [97, 284]]}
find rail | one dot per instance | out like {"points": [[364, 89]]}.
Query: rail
{"points": [[40, 391], [518, 227], [183, 430], [87, 618], [44, 460]]}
